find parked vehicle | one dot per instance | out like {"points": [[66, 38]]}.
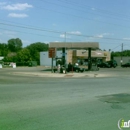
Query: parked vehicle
{"points": [[75, 68], [103, 65], [78, 69], [112, 63], [125, 65]]}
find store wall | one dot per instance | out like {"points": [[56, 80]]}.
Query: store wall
{"points": [[46, 61]]}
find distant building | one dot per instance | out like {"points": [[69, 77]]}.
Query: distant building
{"points": [[46, 61], [125, 59]]}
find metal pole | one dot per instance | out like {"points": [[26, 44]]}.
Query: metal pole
{"points": [[65, 54], [52, 65], [121, 53], [89, 59], [63, 57]]}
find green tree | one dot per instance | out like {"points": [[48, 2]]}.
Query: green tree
{"points": [[38, 46], [11, 57], [124, 53], [23, 55], [3, 49], [35, 50], [14, 45]]}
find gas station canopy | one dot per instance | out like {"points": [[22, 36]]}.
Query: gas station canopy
{"points": [[74, 45]]}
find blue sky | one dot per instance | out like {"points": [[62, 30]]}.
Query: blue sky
{"points": [[103, 21]]}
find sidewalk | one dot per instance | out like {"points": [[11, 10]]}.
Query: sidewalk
{"points": [[46, 72], [59, 75]]}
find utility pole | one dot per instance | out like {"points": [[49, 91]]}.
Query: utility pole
{"points": [[64, 55], [121, 53]]}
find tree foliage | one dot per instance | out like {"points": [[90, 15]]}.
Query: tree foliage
{"points": [[13, 51], [35, 50], [38, 46], [23, 55], [3, 49], [123, 53], [14, 45]]}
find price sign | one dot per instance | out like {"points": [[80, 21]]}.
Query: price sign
{"points": [[52, 52]]}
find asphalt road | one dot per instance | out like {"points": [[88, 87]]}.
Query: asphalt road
{"points": [[40, 103]]}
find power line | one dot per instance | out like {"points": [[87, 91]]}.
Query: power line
{"points": [[38, 34], [55, 31], [32, 28], [82, 17], [126, 45], [82, 5], [116, 47], [97, 9], [52, 31], [76, 16], [97, 37], [69, 39], [84, 11]]}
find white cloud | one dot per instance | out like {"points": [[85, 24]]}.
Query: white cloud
{"points": [[126, 38], [15, 15], [10, 34], [2, 3], [64, 36], [17, 6], [75, 32], [93, 9], [67, 35], [102, 35], [99, 36], [56, 41]]}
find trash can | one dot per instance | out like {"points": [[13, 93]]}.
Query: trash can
{"points": [[32, 63]]}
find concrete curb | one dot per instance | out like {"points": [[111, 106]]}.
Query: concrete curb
{"points": [[58, 75]]}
